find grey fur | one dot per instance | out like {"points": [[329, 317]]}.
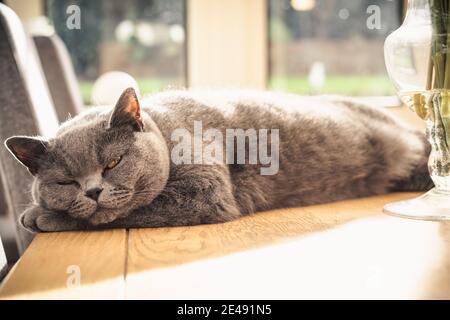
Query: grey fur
{"points": [[331, 148]]}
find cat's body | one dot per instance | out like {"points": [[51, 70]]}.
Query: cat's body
{"points": [[330, 148]]}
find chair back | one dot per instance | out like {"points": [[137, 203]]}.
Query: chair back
{"points": [[25, 109], [60, 76]]}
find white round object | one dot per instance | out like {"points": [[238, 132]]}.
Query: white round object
{"points": [[344, 14], [109, 86], [124, 31], [176, 33], [145, 34], [317, 76]]}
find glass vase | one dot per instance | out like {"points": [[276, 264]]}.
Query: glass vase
{"points": [[416, 57], [433, 107]]}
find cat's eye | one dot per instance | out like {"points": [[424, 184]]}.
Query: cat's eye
{"points": [[112, 163], [67, 183]]}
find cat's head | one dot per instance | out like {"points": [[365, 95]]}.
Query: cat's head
{"points": [[100, 166]]}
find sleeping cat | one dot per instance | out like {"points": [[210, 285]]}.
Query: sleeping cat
{"points": [[113, 168]]}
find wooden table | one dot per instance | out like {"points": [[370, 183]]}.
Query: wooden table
{"points": [[344, 250]]}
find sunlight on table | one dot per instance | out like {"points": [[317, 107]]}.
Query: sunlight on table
{"points": [[381, 257]]}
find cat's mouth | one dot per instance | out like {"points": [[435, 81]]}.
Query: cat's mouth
{"points": [[108, 207], [103, 215], [97, 213]]}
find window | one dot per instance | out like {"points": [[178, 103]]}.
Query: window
{"points": [[322, 46], [144, 38]]}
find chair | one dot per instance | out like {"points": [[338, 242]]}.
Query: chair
{"points": [[3, 262], [7, 230], [60, 76], [25, 109]]}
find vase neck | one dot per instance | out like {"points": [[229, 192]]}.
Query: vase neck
{"points": [[417, 4], [418, 10]]}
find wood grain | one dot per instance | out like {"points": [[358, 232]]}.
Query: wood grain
{"points": [[163, 247], [347, 249], [48, 267], [356, 250]]}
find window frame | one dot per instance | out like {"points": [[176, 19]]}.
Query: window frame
{"points": [[210, 43], [377, 100]]}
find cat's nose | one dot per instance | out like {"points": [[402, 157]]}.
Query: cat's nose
{"points": [[94, 193]]}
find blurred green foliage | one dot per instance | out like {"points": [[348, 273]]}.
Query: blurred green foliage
{"points": [[354, 85], [146, 86]]}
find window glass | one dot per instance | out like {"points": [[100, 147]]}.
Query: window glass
{"points": [[144, 38], [323, 46]]}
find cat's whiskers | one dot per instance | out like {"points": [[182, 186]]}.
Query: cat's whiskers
{"points": [[119, 192], [123, 197], [146, 191], [80, 209]]}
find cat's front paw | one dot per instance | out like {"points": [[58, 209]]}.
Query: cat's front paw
{"points": [[38, 219], [54, 222], [28, 218]]}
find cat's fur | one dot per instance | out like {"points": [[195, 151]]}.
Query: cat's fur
{"points": [[330, 149]]}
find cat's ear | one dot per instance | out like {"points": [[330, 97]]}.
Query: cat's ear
{"points": [[127, 111], [28, 150]]}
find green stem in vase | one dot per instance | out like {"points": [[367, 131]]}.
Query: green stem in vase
{"points": [[437, 133], [440, 60], [444, 46], [446, 19], [430, 71]]}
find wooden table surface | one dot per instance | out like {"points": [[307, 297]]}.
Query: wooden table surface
{"points": [[348, 249]]}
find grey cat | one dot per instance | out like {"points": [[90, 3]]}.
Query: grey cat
{"points": [[111, 167]]}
